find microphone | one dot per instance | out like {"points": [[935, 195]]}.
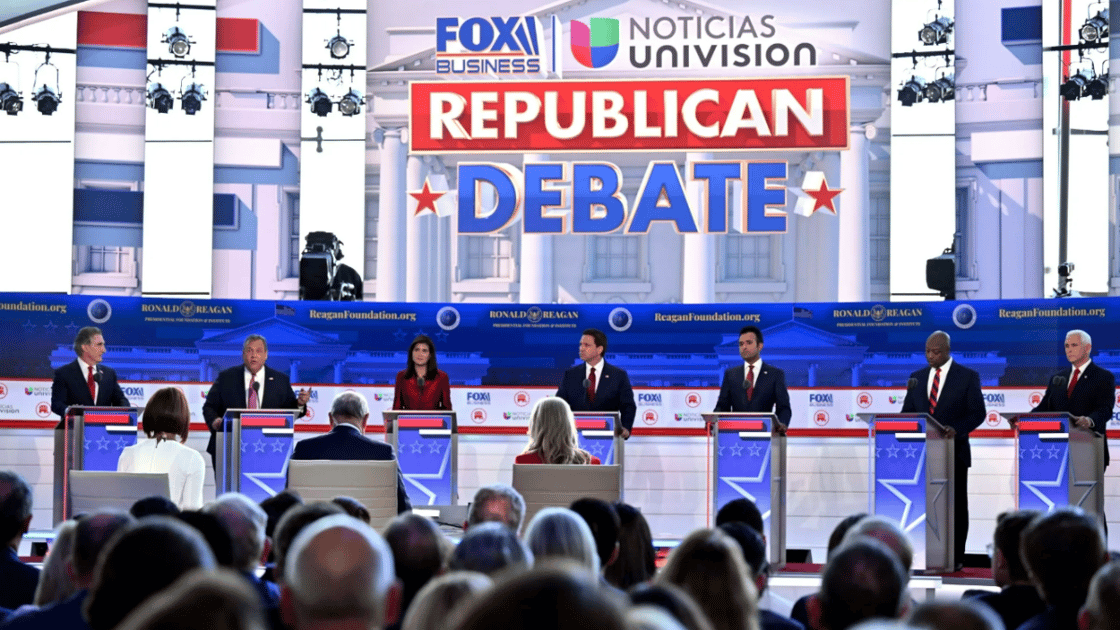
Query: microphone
{"points": [[912, 383], [256, 387], [420, 382], [1058, 381], [586, 383], [97, 375]]}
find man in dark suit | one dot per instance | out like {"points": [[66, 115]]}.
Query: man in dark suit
{"points": [[597, 386], [1085, 390], [347, 440], [17, 580], [755, 386], [84, 381], [252, 385], [1018, 600], [950, 393]]}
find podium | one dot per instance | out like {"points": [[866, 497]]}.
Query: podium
{"points": [[253, 447], [749, 460], [89, 438], [598, 434], [427, 448], [913, 475], [1058, 463]]}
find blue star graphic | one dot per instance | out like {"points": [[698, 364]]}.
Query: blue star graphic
{"points": [[28, 325], [595, 449], [892, 451], [1055, 452], [911, 451], [721, 450], [244, 447], [441, 335], [278, 446], [1036, 453], [737, 450], [755, 450], [879, 452], [1022, 453], [50, 325], [400, 335], [121, 443], [103, 444], [435, 447], [71, 326], [88, 444], [416, 447], [258, 446]]}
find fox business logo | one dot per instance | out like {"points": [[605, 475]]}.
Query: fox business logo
{"points": [[649, 416], [1035, 398], [820, 400], [649, 399], [863, 399], [994, 400], [521, 399], [493, 45], [820, 417], [692, 399], [478, 398], [133, 392], [478, 416]]}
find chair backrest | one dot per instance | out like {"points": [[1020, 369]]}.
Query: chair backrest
{"points": [[558, 485], [92, 490], [373, 483]]}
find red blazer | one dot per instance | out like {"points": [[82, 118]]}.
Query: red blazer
{"points": [[436, 394], [535, 458]]}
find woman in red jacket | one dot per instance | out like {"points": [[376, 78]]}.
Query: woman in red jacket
{"points": [[422, 386], [552, 436]]}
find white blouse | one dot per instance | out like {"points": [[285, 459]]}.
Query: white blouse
{"points": [[184, 466]]}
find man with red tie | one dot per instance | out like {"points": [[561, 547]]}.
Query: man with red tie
{"points": [[1085, 390], [754, 386], [950, 393], [594, 385], [85, 381]]}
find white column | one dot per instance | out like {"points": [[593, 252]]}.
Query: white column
{"points": [[535, 279], [418, 258], [391, 219], [441, 255], [853, 210], [698, 269]]}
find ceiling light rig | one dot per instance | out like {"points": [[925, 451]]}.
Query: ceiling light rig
{"points": [[46, 90], [10, 100], [178, 43], [936, 31], [1096, 27], [916, 88]]}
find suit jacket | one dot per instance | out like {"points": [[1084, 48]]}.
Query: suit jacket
{"points": [[535, 458], [71, 388], [64, 615], [612, 391], [1093, 396], [1015, 604], [769, 620], [18, 580], [960, 404], [345, 442], [769, 396], [228, 392], [436, 393]]}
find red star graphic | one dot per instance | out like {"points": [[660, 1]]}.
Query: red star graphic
{"points": [[426, 199], [824, 197]]}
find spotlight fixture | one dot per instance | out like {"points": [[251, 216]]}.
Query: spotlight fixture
{"points": [[321, 104], [911, 91], [1097, 87], [46, 99], [351, 104], [936, 32], [942, 89], [159, 98], [192, 98], [10, 100], [178, 43], [1085, 82], [1095, 29], [339, 46]]}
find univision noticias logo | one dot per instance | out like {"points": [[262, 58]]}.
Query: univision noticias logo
{"points": [[594, 43]]}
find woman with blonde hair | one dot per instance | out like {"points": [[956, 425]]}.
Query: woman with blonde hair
{"points": [[55, 582], [443, 597], [552, 436], [709, 566], [166, 422]]}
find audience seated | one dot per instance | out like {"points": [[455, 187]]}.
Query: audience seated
{"points": [[965, 614], [863, 580], [672, 600], [491, 548], [17, 579], [741, 510], [339, 572], [153, 506], [275, 507], [436, 605], [560, 533], [650, 617], [293, 522], [754, 554], [166, 421], [245, 521], [214, 532], [552, 436], [561, 596], [420, 552], [637, 559], [798, 613], [498, 502], [56, 583], [1102, 606], [1061, 550], [351, 506], [1018, 600], [887, 532], [210, 600], [602, 520], [709, 567]]}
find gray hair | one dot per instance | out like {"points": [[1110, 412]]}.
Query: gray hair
{"points": [[85, 336], [15, 504], [560, 532], [350, 404], [965, 614], [488, 496], [433, 606], [1102, 606], [489, 548], [246, 523], [1085, 338], [887, 532], [254, 337], [55, 583]]}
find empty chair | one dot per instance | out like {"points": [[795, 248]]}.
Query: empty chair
{"points": [[372, 482], [558, 485], [92, 490]]}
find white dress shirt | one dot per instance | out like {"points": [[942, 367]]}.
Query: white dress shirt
{"points": [[260, 390], [184, 466]]}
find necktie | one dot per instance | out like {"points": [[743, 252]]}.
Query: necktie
{"points": [[750, 382], [253, 401], [933, 390], [591, 386], [1072, 382], [92, 385]]}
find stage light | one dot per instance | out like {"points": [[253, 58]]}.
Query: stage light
{"points": [[178, 43], [936, 32], [351, 104], [941, 275], [46, 100], [911, 92], [1077, 85], [159, 98], [1097, 88], [10, 100], [1095, 29], [321, 104], [192, 98], [942, 89], [338, 46]]}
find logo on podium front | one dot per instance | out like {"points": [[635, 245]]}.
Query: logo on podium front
{"points": [[649, 417], [821, 417], [863, 399], [993, 419], [1035, 398], [43, 409], [692, 399], [478, 416]]}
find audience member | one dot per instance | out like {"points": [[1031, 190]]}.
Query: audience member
{"points": [[561, 596], [650, 617], [92, 534], [351, 506], [153, 506], [887, 532], [339, 573], [166, 421], [798, 613], [1061, 550], [437, 605], [560, 533], [1018, 600], [56, 582], [965, 614], [420, 552], [672, 600], [863, 580], [754, 554], [245, 521], [17, 579], [293, 522], [498, 502], [491, 548], [275, 507], [740, 510], [213, 600], [709, 567], [214, 532], [637, 559], [1102, 606], [552, 436], [139, 562], [602, 520]]}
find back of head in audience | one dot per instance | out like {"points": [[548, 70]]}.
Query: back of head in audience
{"points": [[339, 570], [740, 511], [55, 581], [1062, 550], [91, 535], [139, 562], [673, 600], [153, 506], [436, 604], [1007, 565], [754, 551], [887, 532], [214, 600], [420, 551], [15, 508], [1102, 606], [276, 506], [863, 580], [214, 532], [246, 522], [650, 617], [500, 503], [560, 596], [602, 520], [561, 533], [841, 530], [965, 614], [709, 566], [552, 433], [352, 507], [637, 559], [292, 523], [490, 548]]}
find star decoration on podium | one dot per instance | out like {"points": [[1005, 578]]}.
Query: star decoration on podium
{"points": [[814, 194], [426, 199]]}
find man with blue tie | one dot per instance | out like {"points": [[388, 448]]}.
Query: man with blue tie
{"points": [[597, 386], [950, 393], [754, 386]]}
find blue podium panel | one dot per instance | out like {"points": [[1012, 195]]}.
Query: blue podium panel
{"points": [[595, 433], [1043, 455], [257, 457], [425, 444], [742, 462], [107, 433], [900, 473]]}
